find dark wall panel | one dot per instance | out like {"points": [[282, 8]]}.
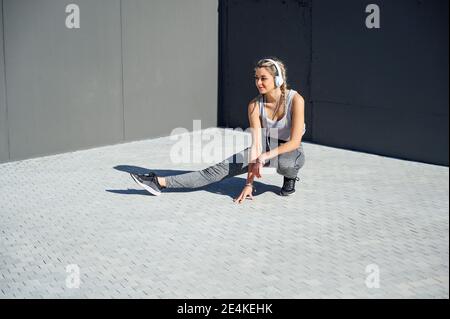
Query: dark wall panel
{"points": [[382, 90], [253, 29], [4, 152], [350, 127], [64, 86]]}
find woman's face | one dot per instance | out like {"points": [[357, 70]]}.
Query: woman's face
{"points": [[264, 81]]}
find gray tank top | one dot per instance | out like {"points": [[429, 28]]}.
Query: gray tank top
{"points": [[284, 125]]}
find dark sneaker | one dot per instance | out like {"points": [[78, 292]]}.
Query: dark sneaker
{"points": [[149, 182], [288, 186]]}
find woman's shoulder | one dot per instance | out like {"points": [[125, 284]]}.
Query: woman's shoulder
{"points": [[295, 95], [293, 92], [255, 101], [256, 98]]}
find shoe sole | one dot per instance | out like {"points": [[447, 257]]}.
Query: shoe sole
{"points": [[287, 194], [146, 187]]}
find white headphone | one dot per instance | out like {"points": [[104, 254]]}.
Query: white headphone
{"points": [[279, 77]]}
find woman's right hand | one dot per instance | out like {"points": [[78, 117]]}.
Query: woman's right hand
{"points": [[256, 169], [246, 193]]}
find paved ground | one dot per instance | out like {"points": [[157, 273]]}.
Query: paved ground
{"points": [[355, 216]]}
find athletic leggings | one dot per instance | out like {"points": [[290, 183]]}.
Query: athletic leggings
{"points": [[287, 164]]}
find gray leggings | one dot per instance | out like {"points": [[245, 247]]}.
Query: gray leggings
{"points": [[287, 164]]}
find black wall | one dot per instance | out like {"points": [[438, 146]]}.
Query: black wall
{"points": [[250, 30], [383, 91]]}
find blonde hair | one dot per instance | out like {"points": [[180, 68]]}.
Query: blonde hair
{"points": [[269, 66]]}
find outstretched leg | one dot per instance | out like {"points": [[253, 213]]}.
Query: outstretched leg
{"points": [[234, 165]]}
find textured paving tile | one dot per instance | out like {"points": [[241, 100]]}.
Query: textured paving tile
{"points": [[351, 210]]}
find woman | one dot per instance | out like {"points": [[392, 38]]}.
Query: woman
{"points": [[277, 111]]}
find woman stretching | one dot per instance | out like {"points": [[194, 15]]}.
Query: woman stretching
{"points": [[279, 112]]}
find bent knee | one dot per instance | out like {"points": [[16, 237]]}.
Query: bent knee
{"points": [[291, 168]]}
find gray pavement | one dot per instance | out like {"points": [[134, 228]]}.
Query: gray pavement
{"points": [[359, 226]]}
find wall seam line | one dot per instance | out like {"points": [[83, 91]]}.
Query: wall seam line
{"points": [[4, 76], [311, 68], [121, 62]]}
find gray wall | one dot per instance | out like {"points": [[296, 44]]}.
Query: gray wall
{"points": [[170, 65], [134, 70]]}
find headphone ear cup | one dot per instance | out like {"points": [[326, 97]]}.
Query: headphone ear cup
{"points": [[278, 81]]}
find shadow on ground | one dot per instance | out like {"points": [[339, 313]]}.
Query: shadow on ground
{"points": [[231, 187]]}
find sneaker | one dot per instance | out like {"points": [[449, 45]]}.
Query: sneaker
{"points": [[288, 186], [149, 182]]}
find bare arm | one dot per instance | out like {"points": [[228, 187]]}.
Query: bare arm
{"points": [[298, 123], [256, 148]]}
